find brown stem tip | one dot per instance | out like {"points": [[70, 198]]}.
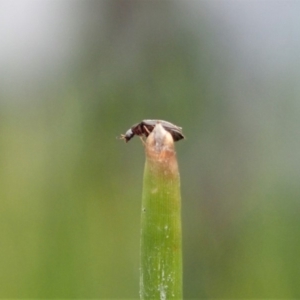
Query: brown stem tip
{"points": [[160, 147]]}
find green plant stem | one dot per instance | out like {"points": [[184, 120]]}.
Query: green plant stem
{"points": [[161, 249]]}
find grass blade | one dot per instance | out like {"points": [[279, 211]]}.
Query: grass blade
{"points": [[161, 249]]}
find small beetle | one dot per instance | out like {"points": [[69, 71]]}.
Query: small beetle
{"points": [[146, 126]]}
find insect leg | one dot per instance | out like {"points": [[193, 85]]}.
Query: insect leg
{"points": [[146, 129], [142, 140]]}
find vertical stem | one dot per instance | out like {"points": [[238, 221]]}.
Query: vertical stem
{"points": [[161, 253]]}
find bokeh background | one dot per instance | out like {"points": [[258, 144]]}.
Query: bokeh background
{"points": [[76, 74]]}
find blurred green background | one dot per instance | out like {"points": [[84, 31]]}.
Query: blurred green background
{"points": [[76, 74]]}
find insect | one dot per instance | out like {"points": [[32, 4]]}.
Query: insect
{"points": [[146, 126]]}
